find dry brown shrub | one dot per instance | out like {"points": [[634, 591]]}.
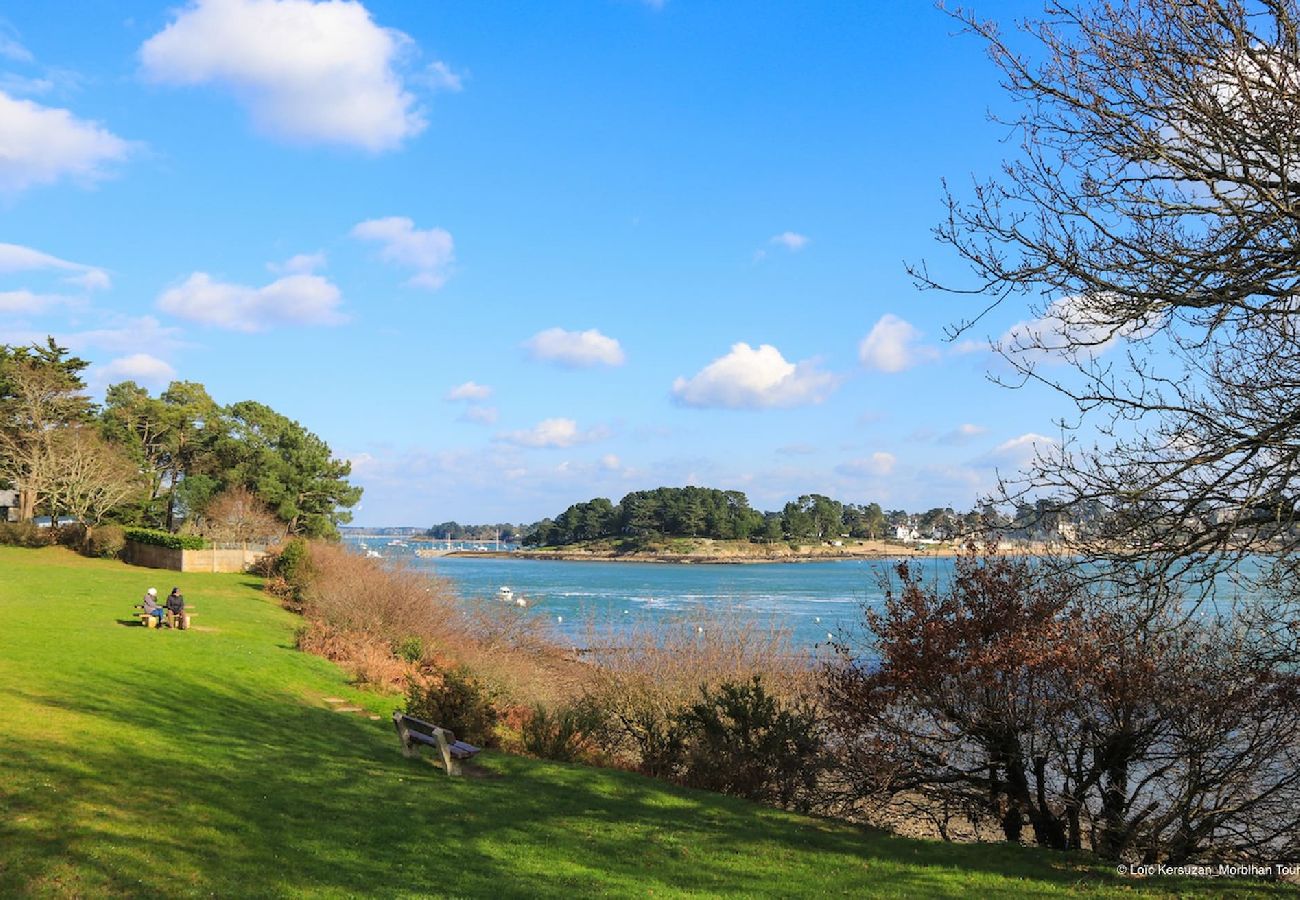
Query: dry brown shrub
{"points": [[656, 671], [368, 660], [387, 603]]}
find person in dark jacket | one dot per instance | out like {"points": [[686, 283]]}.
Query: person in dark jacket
{"points": [[175, 608]]}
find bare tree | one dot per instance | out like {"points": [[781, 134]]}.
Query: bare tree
{"points": [[238, 515], [1152, 214], [1021, 694], [88, 477]]}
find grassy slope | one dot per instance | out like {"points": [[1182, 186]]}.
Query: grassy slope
{"points": [[136, 762]]}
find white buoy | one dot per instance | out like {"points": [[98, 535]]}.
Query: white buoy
{"points": [[817, 619], [559, 618], [699, 629], [829, 636]]}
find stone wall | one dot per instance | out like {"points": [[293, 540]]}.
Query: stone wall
{"points": [[155, 557]]}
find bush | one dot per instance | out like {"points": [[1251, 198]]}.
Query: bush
{"points": [[741, 740], [455, 700], [24, 534], [165, 539], [107, 541], [288, 574], [410, 649], [72, 536], [562, 733]]}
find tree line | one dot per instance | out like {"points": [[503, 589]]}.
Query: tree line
{"points": [[159, 461], [710, 513]]}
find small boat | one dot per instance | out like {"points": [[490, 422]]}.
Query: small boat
{"points": [[505, 595], [373, 554]]}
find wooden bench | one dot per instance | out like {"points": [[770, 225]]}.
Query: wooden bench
{"points": [[412, 732], [149, 620]]}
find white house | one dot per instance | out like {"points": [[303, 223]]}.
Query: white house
{"points": [[905, 533]]}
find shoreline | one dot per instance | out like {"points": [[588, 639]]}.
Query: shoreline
{"points": [[875, 551]]}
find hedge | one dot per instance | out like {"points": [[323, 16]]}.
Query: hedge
{"points": [[165, 539]]}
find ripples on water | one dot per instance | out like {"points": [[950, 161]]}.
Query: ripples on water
{"points": [[811, 599]]}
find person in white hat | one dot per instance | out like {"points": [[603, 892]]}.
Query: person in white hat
{"points": [[150, 605]]}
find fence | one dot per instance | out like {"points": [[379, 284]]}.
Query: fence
{"points": [[222, 558]]}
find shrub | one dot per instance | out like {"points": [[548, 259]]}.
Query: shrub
{"points": [[562, 733], [741, 740], [107, 541], [410, 649], [165, 539], [456, 700], [72, 536], [24, 534], [288, 574]]}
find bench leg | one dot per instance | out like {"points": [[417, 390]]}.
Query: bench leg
{"points": [[409, 749], [451, 764]]}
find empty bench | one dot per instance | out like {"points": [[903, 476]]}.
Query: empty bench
{"points": [[413, 732]]}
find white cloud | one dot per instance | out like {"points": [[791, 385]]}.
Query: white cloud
{"points": [[790, 240], [575, 349], [611, 463], [12, 49], [552, 433], [17, 258], [440, 77], [139, 367], [307, 71], [121, 334], [41, 144], [470, 390], [28, 302], [748, 378], [479, 415], [1017, 452], [891, 346], [875, 465], [431, 252], [1070, 325], [299, 264], [963, 433], [292, 300]]}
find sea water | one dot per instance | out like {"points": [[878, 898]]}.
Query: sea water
{"points": [[813, 601]]}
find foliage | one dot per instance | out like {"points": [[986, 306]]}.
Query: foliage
{"points": [[410, 649], [165, 539], [25, 534], [456, 700], [106, 541], [41, 394], [170, 439], [739, 739], [1019, 695], [290, 469], [565, 732]]}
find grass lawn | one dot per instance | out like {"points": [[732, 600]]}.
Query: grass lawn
{"points": [[140, 762]]}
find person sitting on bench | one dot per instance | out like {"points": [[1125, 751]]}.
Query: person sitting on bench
{"points": [[175, 608], [151, 607]]}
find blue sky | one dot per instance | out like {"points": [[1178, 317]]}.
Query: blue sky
{"points": [[506, 257]]}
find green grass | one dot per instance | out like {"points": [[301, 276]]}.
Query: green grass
{"points": [[136, 762]]}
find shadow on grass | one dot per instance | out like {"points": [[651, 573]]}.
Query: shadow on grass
{"points": [[240, 793]]}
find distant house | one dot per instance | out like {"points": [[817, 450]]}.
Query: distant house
{"points": [[8, 506], [905, 533]]}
